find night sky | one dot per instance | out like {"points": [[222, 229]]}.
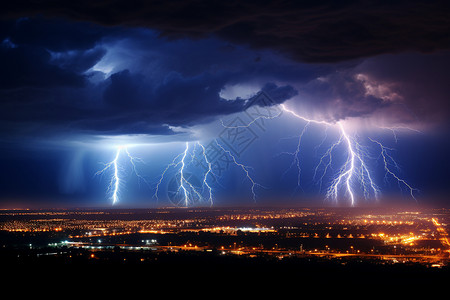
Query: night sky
{"points": [[200, 103]]}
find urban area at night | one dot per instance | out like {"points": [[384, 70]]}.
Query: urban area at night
{"points": [[141, 236]]}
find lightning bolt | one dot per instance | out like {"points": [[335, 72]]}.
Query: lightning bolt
{"points": [[208, 172], [116, 181], [387, 162], [179, 160], [327, 156], [244, 168], [396, 129], [173, 164], [303, 118], [186, 187], [355, 170], [182, 178], [295, 154]]}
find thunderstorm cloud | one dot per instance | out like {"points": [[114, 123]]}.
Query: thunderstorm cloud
{"points": [[142, 67]]}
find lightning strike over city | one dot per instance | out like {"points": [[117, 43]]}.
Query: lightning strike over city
{"points": [[187, 192], [117, 171], [305, 137], [355, 169]]}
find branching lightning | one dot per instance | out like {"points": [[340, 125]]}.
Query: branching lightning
{"points": [[296, 154], [209, 172], [355, 170], [396, 129], [389, 161], [191, 194], [116, 180], [345, 166], [353, 176], [244, 168]]}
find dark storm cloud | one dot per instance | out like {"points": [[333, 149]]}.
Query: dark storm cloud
{"points": [[314, 31], [123, 90], [82, 76], [50, 89], [54, 34], [179, 101], [30, 66], [43, 53]]}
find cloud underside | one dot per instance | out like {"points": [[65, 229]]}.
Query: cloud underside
{"points": [[58, 84], [142, 67]]}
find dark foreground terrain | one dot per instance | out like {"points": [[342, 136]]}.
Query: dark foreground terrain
{"points": [[116, 266]]}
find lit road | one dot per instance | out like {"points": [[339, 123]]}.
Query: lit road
{"points": [[250, 251], [442, 233]]}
